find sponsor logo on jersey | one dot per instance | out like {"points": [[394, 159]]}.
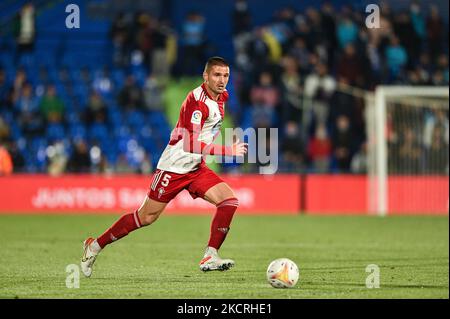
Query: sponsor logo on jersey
{"points": [[196, 117]]}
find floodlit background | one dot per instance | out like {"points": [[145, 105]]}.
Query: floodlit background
{"points": [[363, 129]]}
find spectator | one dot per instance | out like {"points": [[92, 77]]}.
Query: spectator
{"points": [[102, 83], [319, 89], [121, 39], [320, 149], [19, 81], [97, 160], [153, 93], [145, 166], [5, 91], [442, 65], [17, 158], [130, 96], [57, 158], [347, 32], [30, 120], [303, 30], [144, 37], [4, 130], [425, 66], [123, 166], [265, 91], [438, 79], [350, 67], [413, 77], [292, 148], [26, 101], [375, 62], [396, 58], [329, 30], [292, 90], [435, 32], [409, 153], [51, 106], [160, 63], [258, 50], [282, 27], [193, 39], [6, 164], [418, 20], [436, 156], [342, 144], [404, 29], [359, 160], [96, 109], [80, 160], [301, 54], [25, 29], [342, 102], [436, 121], [241, 17], [265, 98]]}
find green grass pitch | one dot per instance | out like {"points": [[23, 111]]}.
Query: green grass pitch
{"points": [[161, 261]]}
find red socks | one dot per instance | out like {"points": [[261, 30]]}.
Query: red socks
{"points": [[221, 221], [219, 225], [126, 224]]}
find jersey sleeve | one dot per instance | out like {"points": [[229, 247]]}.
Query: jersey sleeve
{"points": [[194, 115], [193, 119]]}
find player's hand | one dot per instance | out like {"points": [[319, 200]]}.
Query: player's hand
{"points": [[239, 149]]}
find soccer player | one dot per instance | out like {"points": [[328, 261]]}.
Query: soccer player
{"points": [[182, 166]]}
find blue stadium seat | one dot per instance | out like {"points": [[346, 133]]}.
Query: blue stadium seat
{"points": [[98, 132], [135, 119], [27, 60], [77, 131], [122, 131], [246, 120], [122, 144], [55, 132], [118, 77], [115, 117], [15, 131]]}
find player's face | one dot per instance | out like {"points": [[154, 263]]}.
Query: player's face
{"points": [[217, 78]]}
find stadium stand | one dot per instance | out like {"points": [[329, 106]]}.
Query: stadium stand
{"points": [[116, 84]]}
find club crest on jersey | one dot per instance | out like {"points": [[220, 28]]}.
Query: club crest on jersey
{"points": [[196, 117], [161, 191]]}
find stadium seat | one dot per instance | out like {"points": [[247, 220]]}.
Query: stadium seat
{"points": [[98, 132], [55, 132], [78, 131]]}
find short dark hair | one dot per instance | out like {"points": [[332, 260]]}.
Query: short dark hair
{"points": [[215, 60]]}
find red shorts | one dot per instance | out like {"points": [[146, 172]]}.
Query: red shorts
{"points": [[166, 185]]}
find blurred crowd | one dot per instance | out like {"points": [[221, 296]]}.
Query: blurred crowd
{"points": [[299, 73]]}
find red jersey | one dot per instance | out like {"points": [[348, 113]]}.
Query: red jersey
{"points": [[199, 122]]}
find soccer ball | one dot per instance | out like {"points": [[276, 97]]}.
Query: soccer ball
{"points": [[282, 273]]}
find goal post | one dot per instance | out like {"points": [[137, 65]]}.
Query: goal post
{"points": [[400, 151]]}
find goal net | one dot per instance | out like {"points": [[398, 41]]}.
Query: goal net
{"points": [[408, 149]]}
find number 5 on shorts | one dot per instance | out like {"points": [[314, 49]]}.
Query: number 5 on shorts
{"points": [[166, 180]]}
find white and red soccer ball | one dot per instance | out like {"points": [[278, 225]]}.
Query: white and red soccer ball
{"points": [[282, 273]]}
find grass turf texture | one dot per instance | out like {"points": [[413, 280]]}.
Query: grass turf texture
{"points": [[161, 261]]}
